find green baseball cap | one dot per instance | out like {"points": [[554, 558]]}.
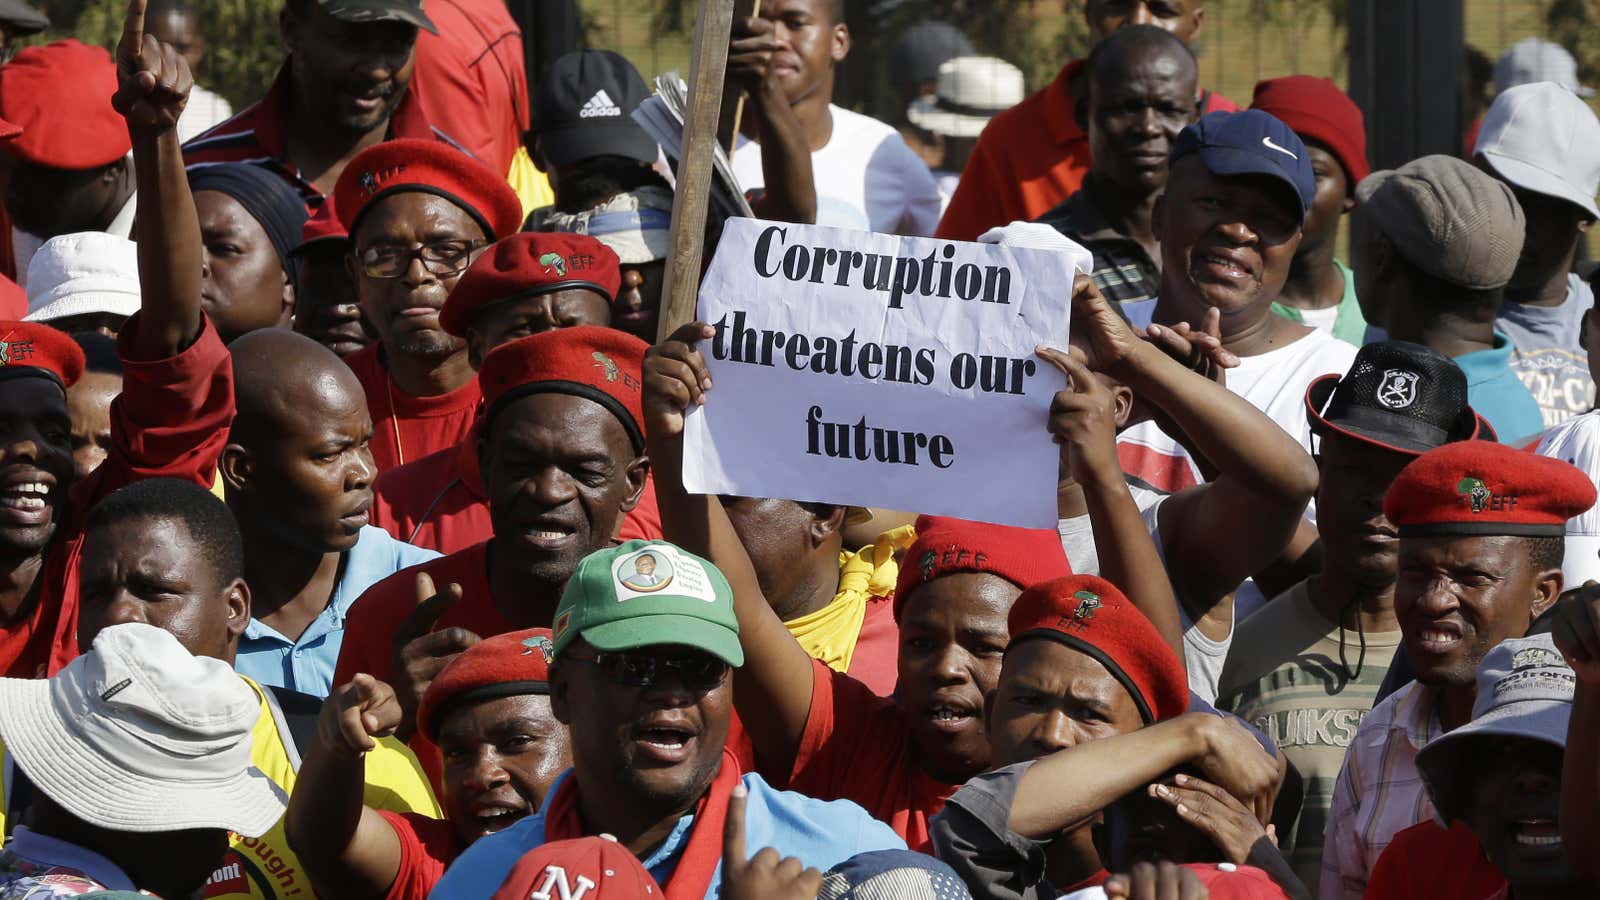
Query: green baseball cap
{"points": [[408, 11], [647, 594]]}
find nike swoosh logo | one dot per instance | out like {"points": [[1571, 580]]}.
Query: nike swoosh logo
{"points": [[1267, 141]]}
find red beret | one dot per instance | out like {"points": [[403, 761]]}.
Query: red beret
{"points": [[60, 96], [602, 364], [323, 225], [610, 870], [1483, 488], [944, 546], [1315, 108], [527, 265], [34, 349], [430, 167], [1091, 616], [506, 665]]}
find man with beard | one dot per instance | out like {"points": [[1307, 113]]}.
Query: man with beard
{"points": [[1398, 401], [298, 475], [643, 682], [1481, 529], [562, 455], [418, 213], [527, 284], [177, 396], [489, 712], [1141, 95], [345, 86]]}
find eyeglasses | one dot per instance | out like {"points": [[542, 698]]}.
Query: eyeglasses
{"points": [[697, 671], [438, 257]]}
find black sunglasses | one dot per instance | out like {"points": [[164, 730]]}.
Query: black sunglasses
{"points": [[697, 671]]}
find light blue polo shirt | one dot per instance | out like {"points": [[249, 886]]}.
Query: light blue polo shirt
{"points": [[819, 833], [1498, 395], [307, 665]]}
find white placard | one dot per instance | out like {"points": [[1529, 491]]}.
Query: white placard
{"points": [[868, 369]]}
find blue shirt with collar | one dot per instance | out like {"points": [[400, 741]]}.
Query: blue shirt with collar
{"points": [[1498, 395], [819, 833], [306, 665]]}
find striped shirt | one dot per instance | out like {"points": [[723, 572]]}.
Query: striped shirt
{"points": [[1380, 792], [1284, 676], [256, 135]]}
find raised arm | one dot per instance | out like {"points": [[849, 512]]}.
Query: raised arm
{"points": [[1220, 533], [772, 692], [1083, 421], [348, 849], [153, 83], [791, 192], [1068, 787]]}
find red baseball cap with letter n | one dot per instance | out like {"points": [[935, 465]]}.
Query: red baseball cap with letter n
{"points": [[594, 868], [1483, 488]]}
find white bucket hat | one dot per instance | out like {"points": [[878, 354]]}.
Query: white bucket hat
{"points": [[1542, 138], [137, 735], [87, 272], [971, 91], [1577, 441]]}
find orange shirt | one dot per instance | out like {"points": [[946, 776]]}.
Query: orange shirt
{"points": [[1028, 160]]}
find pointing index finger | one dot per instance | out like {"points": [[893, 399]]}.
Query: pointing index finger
{"points": [[131, 46], [733, 829]]}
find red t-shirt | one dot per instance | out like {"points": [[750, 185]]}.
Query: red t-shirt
{"points": [[13, 299], [857, 746], [378, 614], [404, 427], [439, 502], [475, 77], [427, 847], [171, 421], [876, 660], [1429, 861], [1028, 160]]}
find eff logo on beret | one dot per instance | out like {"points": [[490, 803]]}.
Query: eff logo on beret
{"points": [[1480, 498], [373, 180], [15, 352]]}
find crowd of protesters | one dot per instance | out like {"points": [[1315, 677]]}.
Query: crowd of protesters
{"points": [[346, 549]]}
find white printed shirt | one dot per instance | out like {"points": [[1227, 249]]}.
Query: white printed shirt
{"points": [[1379, 792]]}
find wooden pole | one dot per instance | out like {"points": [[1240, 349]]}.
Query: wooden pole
{"points": [[733, 101], [709, 65]]}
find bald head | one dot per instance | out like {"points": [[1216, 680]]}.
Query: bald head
{"points": [[283, 378], [298, 465], [1134, 47]]}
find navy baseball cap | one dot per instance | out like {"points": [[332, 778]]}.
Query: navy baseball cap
{"points": [[1250, 142]]}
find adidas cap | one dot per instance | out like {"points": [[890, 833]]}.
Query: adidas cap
{"points": [[648, 594], [583, 109]]}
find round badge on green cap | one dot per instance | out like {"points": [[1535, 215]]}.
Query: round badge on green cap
{"points": [[648, 594]]}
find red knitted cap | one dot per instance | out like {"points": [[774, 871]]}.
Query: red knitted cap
{"points": [[37, 350], [1090, 615], [60, 96], [1022, 556], [602, 364], [506, 665], [431, 167], [593, 868], [529, 264], [1316, 109], [1479, 487]]}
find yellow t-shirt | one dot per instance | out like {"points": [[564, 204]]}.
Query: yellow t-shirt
{"points": [[265, 867]]}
